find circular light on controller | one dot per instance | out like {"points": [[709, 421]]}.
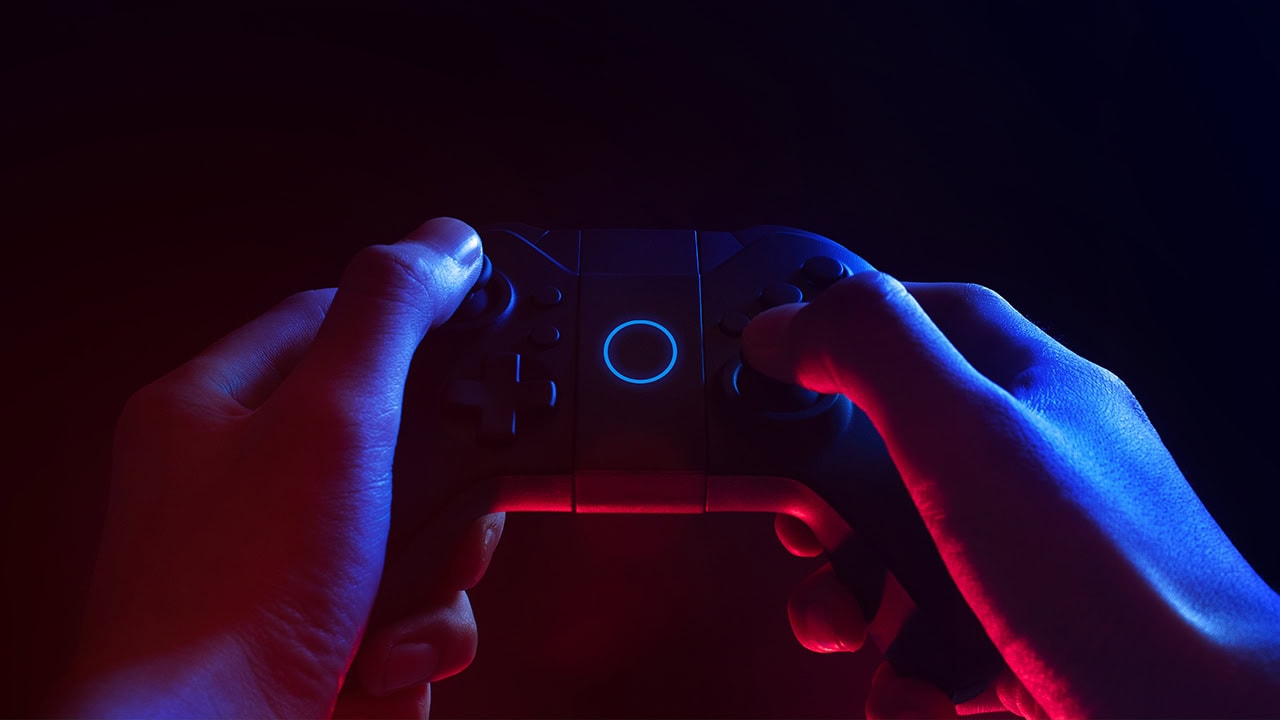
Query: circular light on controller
{"points": [[639, 381]]}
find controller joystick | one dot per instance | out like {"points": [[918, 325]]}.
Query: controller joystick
{"points": [[763, 394], [486, 274], [477, 299], [601, 371], [490, 297]]}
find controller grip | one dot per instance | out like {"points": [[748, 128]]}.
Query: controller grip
{"points": [[917, 615], [932, 635]]}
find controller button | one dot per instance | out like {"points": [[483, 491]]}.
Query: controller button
{"points": [[640, 351], [545, 336], [733, 323], [780, 294], [547, 296], [823, 270], [500, 396]]}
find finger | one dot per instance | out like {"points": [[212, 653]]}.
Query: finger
{"points": [[473, 552], [250, 362], [994, 337], [412, 703], [863, 332], [442, 578], [796, 537], [976, 461], [426, 647], [1006, 694], [389, 296], [894, 696], [447, 556], [824, 614], [868, 338], [1016, 698]]}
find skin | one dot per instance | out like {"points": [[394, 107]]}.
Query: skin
{"points": [[1107, 587], [249, 509]]}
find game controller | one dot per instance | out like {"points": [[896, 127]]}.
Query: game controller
{"points": [[599, 371]]}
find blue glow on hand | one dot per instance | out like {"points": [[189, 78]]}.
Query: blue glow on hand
{"points": [[640, 381]]}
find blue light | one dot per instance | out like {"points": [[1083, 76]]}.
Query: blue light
{"points": [[640, 381]]}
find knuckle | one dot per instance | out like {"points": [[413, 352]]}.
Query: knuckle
{"points": [[1109, 382], [868, 301], [313, 303], [309, 308], [384, 266], [1105, 385], [866, 288], [393, 274], [967, 302], [834, 337], [979, 296]]}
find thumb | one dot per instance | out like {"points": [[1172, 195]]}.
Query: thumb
{"points": [[941, 419], [389, 296], [868, 338]]}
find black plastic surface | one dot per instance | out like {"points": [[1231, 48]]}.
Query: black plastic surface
{"points": [[639, 428]]}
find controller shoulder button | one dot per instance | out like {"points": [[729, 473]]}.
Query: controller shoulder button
{"points": [[823, 270], [780, 294]]}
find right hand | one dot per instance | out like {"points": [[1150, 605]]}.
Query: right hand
{"points": [[1068, 528]]}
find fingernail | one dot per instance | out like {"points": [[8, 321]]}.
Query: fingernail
{"points": [[408, 664], [450, 236], [813, 627]]}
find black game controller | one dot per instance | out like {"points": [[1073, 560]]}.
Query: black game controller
{"points": [[598, 371]]}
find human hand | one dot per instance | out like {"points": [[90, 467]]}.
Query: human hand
{"points": [[1105, 584], [250, 502]]}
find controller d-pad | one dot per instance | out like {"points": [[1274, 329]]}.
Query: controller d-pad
{"points": [[500, 396]]}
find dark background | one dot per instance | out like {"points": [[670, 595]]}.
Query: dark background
{"points": [[166, 175]]}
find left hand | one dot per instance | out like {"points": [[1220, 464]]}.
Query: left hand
{"points": [[250, 503]]}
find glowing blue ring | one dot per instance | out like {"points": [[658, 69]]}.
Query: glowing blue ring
{"points": [[638, 381]]}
